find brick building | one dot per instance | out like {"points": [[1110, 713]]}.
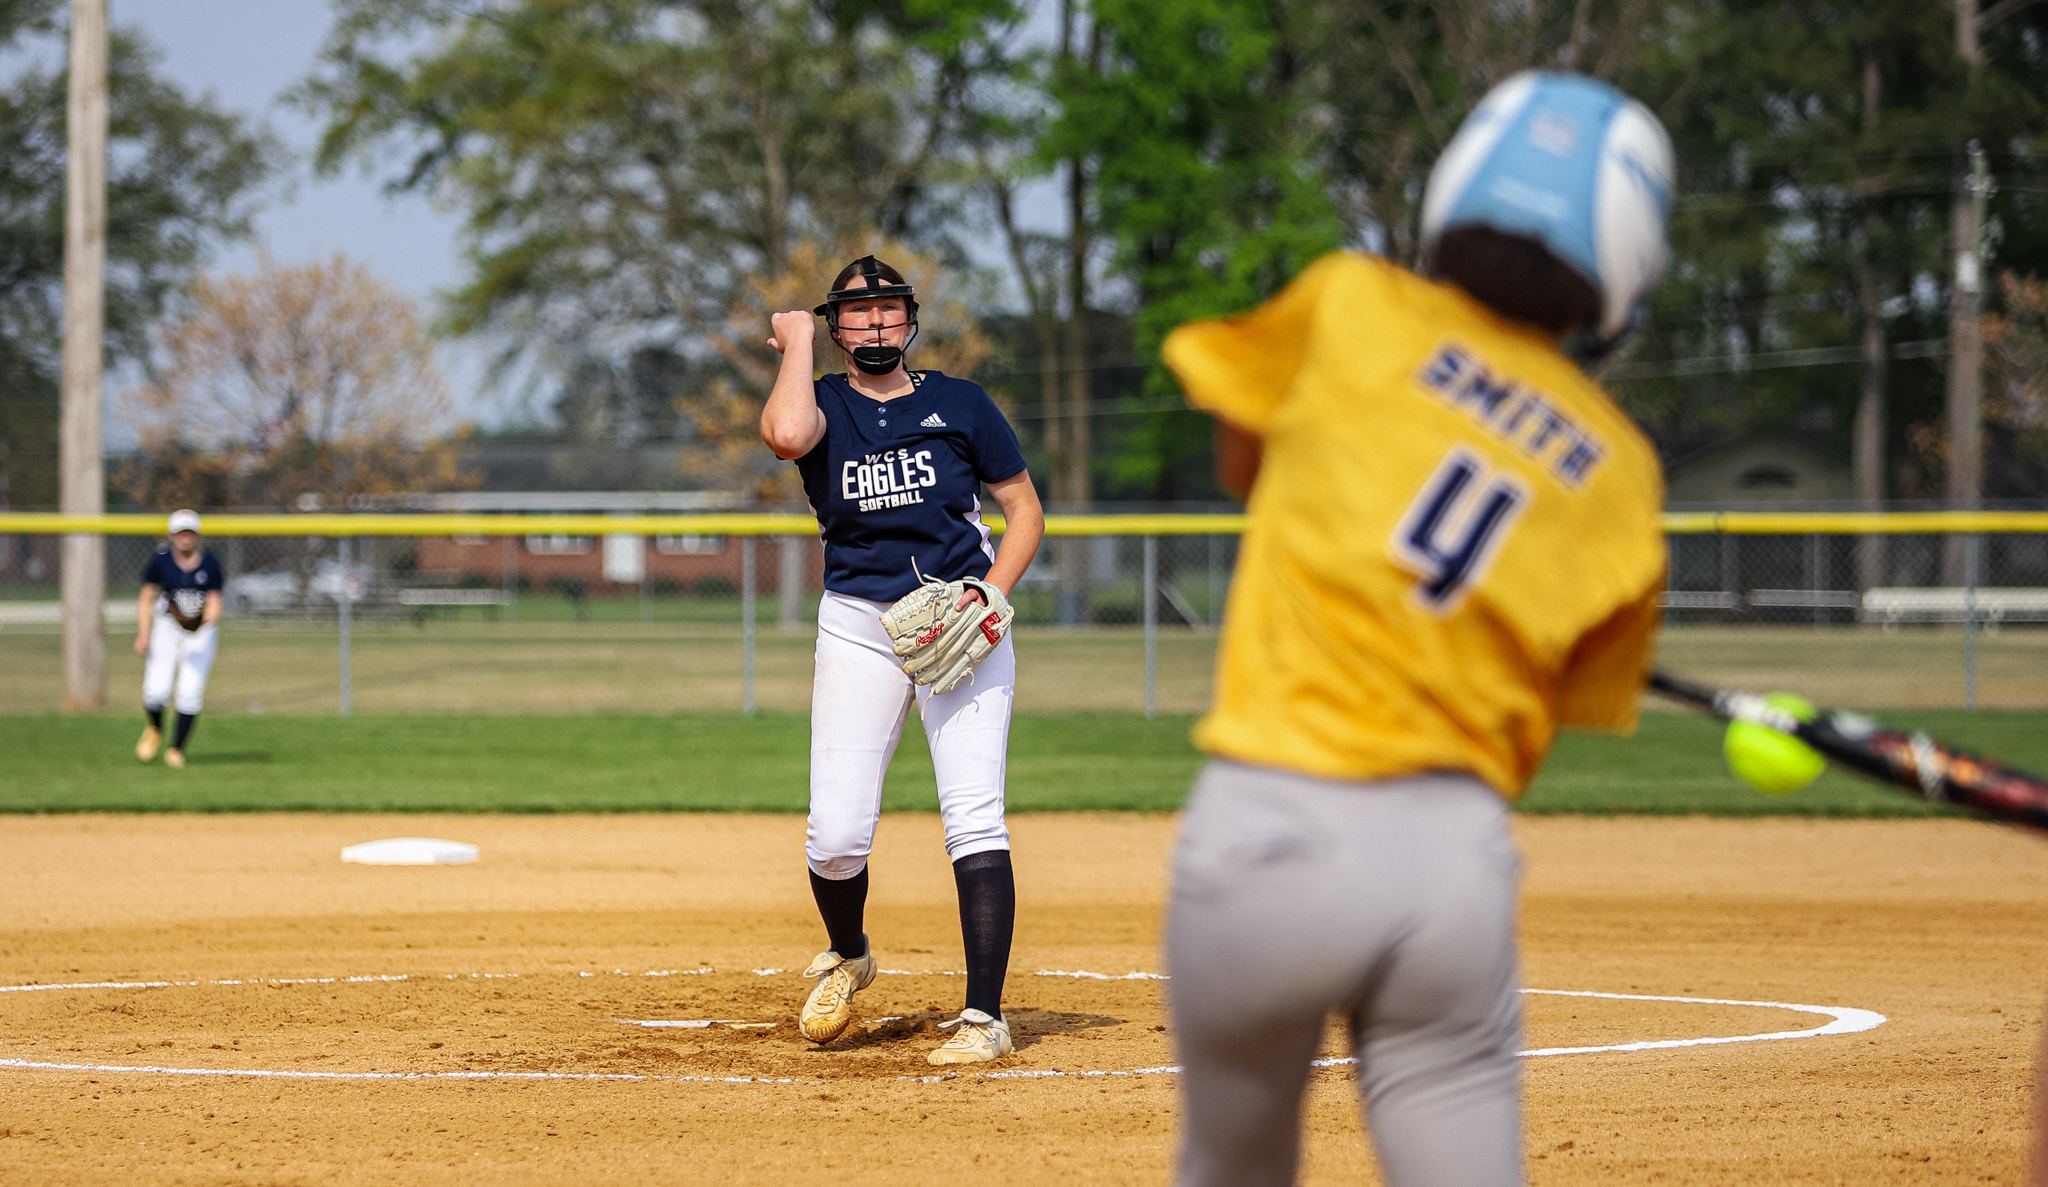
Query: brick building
{"points": [[605, 564]]}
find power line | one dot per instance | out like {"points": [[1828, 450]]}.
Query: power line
{"points": [[1768, 361]]}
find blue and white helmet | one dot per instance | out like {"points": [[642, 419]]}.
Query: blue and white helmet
{"points": [[1574, 164]]}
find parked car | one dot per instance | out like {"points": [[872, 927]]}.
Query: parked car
{"points": [[275, 590]]}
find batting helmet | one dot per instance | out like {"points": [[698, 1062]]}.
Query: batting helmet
{"points": [[1574, 165]]}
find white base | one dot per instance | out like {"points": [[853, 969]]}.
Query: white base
{"points": [[410, 851]]}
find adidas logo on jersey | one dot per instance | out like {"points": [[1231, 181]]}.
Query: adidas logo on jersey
{"points": [[932, 422]]}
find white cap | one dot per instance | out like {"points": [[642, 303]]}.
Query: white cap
{"points": [[183, 521]]}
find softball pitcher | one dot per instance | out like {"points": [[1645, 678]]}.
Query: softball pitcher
{"points": [[892, 461], [1453, 550], [176, 634]]}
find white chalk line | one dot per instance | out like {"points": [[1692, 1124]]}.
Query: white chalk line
{"points": [[276, 1074], [1842, 1020], [273, 1074]]}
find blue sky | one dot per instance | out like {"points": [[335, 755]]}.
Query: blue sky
{"points": [[247, 53]]}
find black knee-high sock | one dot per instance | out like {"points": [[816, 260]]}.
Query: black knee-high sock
{"points": [[183, 730], [843, 906], [155, 713], [988, 914]]}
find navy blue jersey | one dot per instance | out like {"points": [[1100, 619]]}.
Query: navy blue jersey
{"points": [[900, 479], [184, 594]]}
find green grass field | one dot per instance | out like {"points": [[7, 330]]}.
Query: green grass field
{"points": [[724, 762], [447, 668]]}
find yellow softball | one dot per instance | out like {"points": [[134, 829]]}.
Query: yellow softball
{"points": [[1771, 762]]}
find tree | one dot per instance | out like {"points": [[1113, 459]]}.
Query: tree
{"points": [[1804, 171], [182, 176], [1817, 142], [298, 380], [1193, 120], [725, 414], [2016, 385], [1231, 142], [627, 167], [1392, 80]]}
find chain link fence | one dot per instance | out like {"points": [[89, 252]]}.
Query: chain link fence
{"points": [[1822, 579], [1112, 617]]}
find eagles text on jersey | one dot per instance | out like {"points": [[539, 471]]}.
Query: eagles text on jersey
{"points": [[892, 479]]}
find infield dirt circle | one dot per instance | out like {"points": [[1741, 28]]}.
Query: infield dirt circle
{"points": [[486, 1023]]}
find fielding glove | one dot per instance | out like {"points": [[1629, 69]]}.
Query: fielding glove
{"points": [[942, 641]]}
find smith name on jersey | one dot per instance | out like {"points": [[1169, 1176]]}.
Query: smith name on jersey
{"points": [[896, 484], [1453, 545]]}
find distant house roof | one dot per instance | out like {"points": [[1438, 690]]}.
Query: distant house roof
{"points": [[569, 500], [1757, 470]]}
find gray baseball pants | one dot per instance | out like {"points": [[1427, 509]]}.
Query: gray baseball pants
{"points": [[1391, 903]]}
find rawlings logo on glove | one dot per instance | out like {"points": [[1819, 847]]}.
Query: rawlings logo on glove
{"points": [[929, 628]]}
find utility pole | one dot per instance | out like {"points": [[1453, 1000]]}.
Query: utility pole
{"points": [[1070, 478], [1966, 345], [1869, 432], [82, 466], [1966, 339]]}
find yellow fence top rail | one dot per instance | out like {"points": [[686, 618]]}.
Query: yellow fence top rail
{"points": [[1749, 523], [708, 524], [1852, 523]]}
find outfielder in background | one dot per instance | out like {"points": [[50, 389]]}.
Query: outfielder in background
{"points": [[176, 633], [1452, 550], [893, 461]]}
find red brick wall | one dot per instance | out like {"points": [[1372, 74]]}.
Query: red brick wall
{"points": [[486, 558]]}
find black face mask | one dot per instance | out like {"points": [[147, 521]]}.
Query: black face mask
{"points": [[879, 359]]}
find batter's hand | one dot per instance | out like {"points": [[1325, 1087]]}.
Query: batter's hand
{"points": [[792, 327], [142, 646]]}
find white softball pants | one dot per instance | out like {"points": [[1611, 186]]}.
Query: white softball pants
{"points": [[179, 663], [859, 702], [1389, 903]]}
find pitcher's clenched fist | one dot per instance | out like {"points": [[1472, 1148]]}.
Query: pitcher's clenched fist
{"points": [[793, 327]]}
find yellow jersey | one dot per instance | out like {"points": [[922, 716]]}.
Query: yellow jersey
{"points": [[1453, 545]]}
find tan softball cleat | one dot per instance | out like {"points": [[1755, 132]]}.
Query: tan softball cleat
{"points": [[981, 1038], [829, 1010], [174, 759], [146, 745]]}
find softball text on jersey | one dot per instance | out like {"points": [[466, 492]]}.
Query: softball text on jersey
{"points": [[1452, 546], [896, 483]]}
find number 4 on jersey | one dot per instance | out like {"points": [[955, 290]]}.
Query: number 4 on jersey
{"points": [[1450, 533]]}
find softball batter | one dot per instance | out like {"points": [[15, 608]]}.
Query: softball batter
{"points": [[1453, 549], [892, 461], [176, 634]]}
